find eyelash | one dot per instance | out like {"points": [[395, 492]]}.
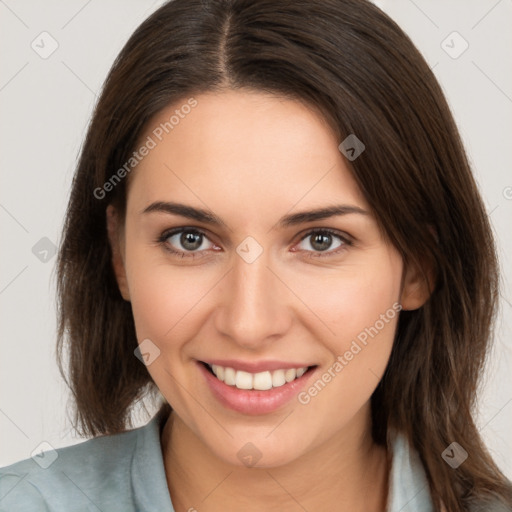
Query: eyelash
{"points": [[162, 240], [346, 242]]}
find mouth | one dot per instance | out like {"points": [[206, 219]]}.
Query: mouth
{"points": [[260, 381], [255, 393]]}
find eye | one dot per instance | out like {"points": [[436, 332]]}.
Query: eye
{"points": [[185, 241], [326, 241]]}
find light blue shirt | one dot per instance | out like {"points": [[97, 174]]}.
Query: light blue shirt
{"points": [[125, 472]]}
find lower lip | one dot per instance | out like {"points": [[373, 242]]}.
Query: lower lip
{"points": [[253, 402]]}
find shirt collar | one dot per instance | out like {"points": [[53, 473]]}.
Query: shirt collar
{"points": [[408, 486], [148, 479]]}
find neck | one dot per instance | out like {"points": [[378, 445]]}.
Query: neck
{"points": [[348, 472]]}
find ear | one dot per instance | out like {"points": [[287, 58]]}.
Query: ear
{"points": [[115, 232], [417, 284]]}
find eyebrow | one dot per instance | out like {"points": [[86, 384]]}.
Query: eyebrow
{"points": [[208, 217], [319, 214], [183, 210]]}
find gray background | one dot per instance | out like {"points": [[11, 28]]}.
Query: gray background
{"points": [[46, 102]]}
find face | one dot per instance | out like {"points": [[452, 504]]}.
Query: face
{"points": [[223, 267]]}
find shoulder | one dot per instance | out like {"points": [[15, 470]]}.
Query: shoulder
{"points": [[81, 477]]}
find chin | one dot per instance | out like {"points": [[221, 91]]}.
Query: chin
{"points": [[259, 452]]}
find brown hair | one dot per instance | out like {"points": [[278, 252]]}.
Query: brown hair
{"points": [[357, 67]]}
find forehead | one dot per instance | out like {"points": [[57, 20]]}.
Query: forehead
{"points": [[249, 149]]}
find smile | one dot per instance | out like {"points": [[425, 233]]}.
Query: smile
{"points": [[261, 381], [266, 389]]}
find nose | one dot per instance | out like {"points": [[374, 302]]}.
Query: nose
{"points": [[254, 309]]}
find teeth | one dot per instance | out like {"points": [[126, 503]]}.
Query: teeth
{"points": [[278, 378], [229, 376], [260, 381], [243, 380], [220, 372], [290, 374]]}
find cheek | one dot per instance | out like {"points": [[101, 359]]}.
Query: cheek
{"points": [[359, 309], [362, 305], [161, 294], [165, 303], [346, 383], [347, 301]]}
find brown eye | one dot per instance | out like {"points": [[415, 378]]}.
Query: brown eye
{"points": [[191, 241], [184, 241], [322, 241]]}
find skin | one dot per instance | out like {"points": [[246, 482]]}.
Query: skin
{"points": [[251, 158]]}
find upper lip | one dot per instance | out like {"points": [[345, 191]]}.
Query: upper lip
{"points": [[255, 366]]}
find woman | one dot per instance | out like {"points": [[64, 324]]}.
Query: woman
{"points": [[274, 212]]}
